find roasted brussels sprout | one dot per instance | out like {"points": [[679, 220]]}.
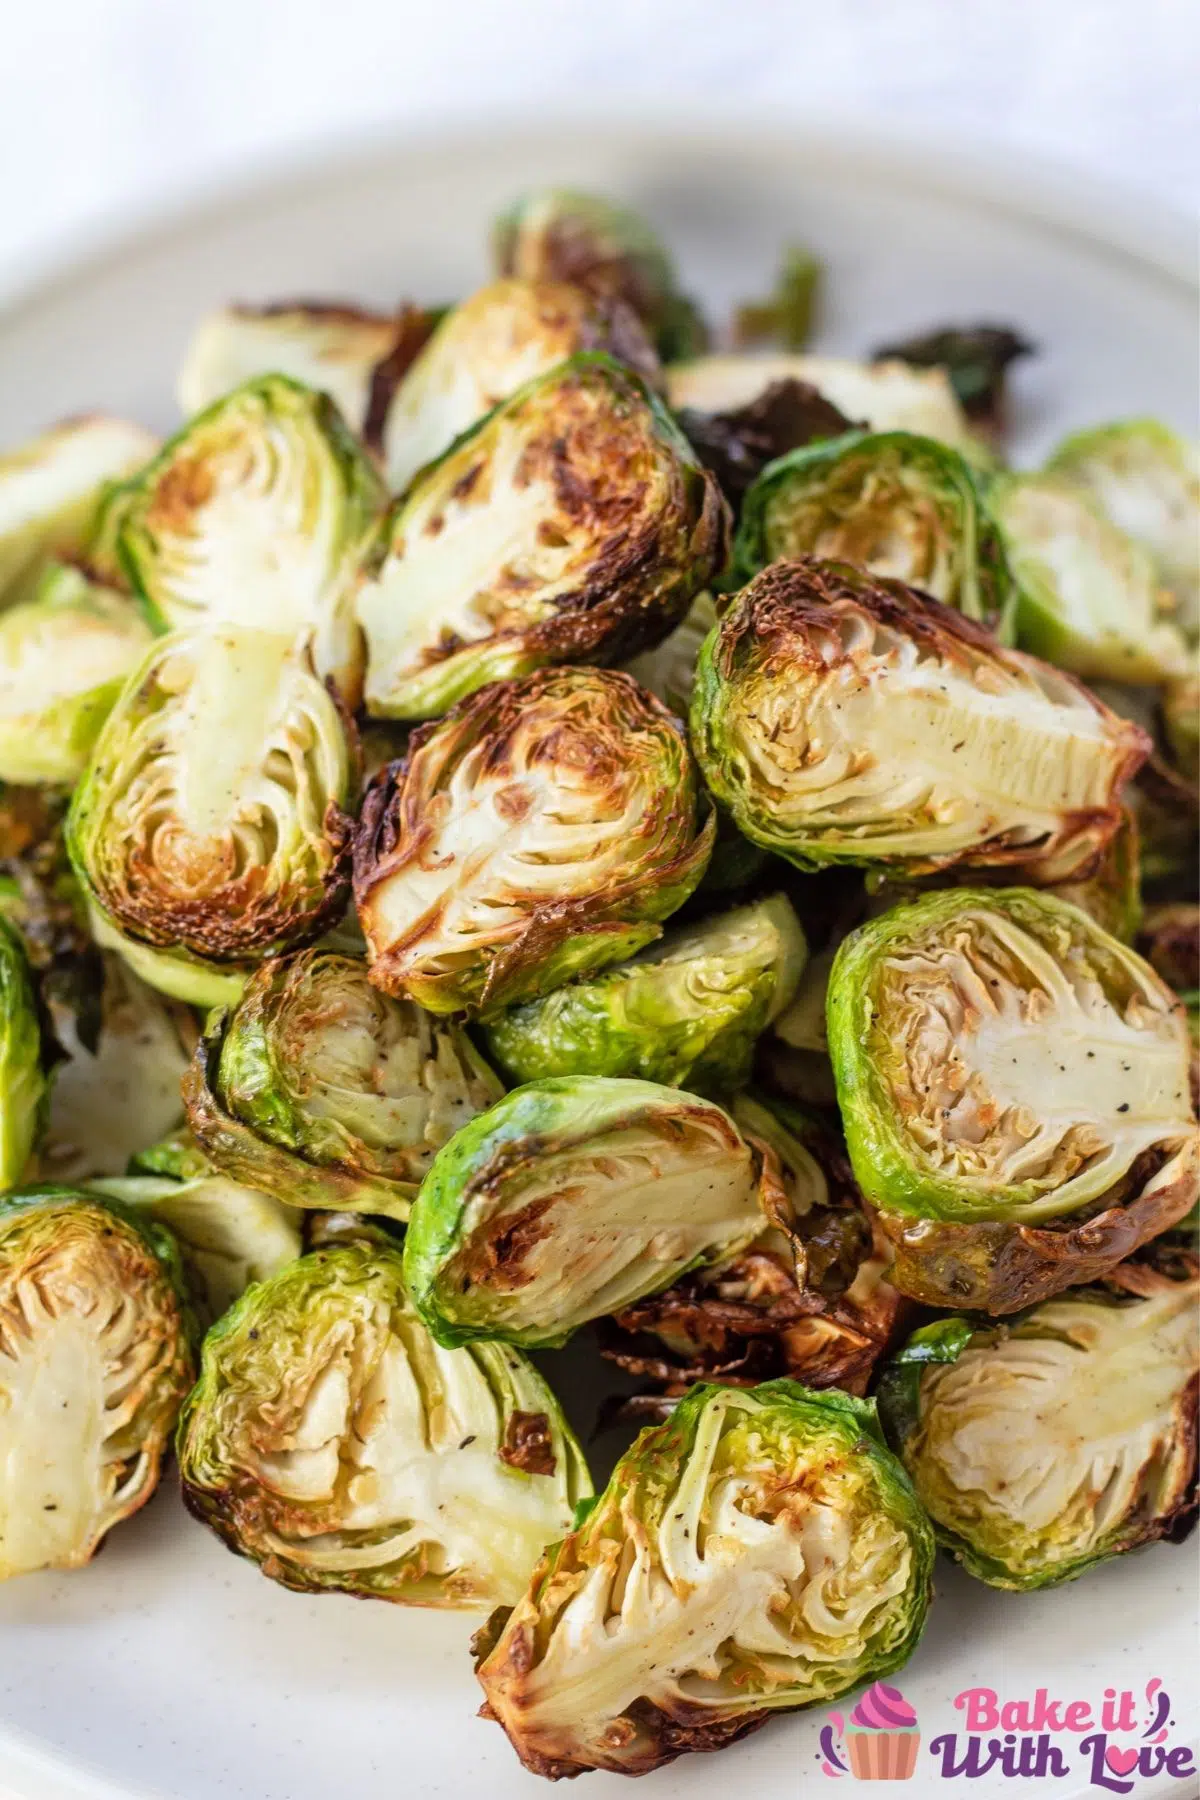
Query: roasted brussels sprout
{"points": [[90, 1315], [809, 1298], [691, 1601], [573, 524], [560, 234], [117, 1089], [842, 719], [255, 515], [339, 350], [1013, 1084], [333, 1442], [228, 1235], [488, 347], [737, 443], [322, 1091], [24, 1087], [686, 1012], [892, 503], [571, 1199], [1088, 597], [209, 820], [1042, 1447], [50, 490], [539, 832], [1111, 891], [977, 360], [64, 657], [1146, 479]]}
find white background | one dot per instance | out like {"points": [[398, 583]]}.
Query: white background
{"points": [[110, 108]]}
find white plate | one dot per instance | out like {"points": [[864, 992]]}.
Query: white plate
{"points": [[172, 1668]]}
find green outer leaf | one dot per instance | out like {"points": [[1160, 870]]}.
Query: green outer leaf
{"points": [[24, 1088], [899, 1391], [176, 972]]}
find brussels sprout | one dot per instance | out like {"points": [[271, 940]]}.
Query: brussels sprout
{"points": [[669, 670], [1170, 941], [228, 1235], [64, 656], [488, 347], [1088, 598], [539, 832], [573, 524], [887, 396], [559, 234], [339, 350], [842, 719], [176, 973], [256, 515], [686, 1012], [692, 1600], [1042, 1447], [737, 444], [24, 1086], [570, 1199], [1111, 893], [322, 1091], [786, 316], [1146, 479], [890, 502], [333, 1442], [91, 1319], [977, 360], [119, 1091], [809, 1298], [1013, 1084], [208, 822], [1181, 722], [50, 490]]}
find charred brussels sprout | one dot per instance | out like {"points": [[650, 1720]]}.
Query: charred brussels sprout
{"points": [[1042, 1447], [255, 515], [690, 1602], [846, 720], [686, 1012], [90, 1312], [209, 822], [24, 1086], [893, 503], [1014, 1088], [488, 347], [333, 1442], [1088, 596], [573, 524], [1146, 479], [324, 1092], [738, 442], [571, 1199], [539, 832], [976, 358], [50, 490], [64, 657]]}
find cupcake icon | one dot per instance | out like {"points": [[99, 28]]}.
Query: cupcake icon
{"points": [[882, 1735]]}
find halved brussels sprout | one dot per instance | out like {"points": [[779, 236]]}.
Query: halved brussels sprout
{"points": [[539, 832], [324, 1092], [573, 524], [24, 1087], [173, 972], [1088, 596], [333, 1442], [92, 1321], [686, 1012], [50, 490], [893, 503], [1146, 479], [809, 1298], [64, 657], [209, 821], [1013, 1084], [335, 349], [669, 670], [560, 234], [843, 719], [228, 1235], [119, 1089], [1042, 1447], [759, 1552], [884, 396], [255, 515], [571, 1199], [976, 358], [490, 345]]}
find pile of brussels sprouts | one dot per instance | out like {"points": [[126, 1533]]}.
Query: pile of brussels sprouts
{"points": [[394, 985]]}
